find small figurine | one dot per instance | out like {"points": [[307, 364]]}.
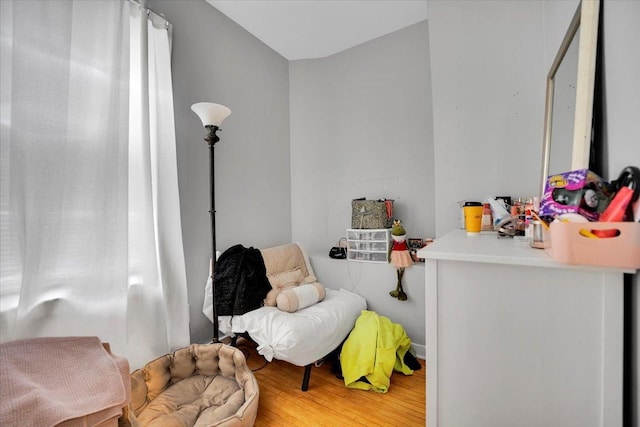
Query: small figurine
{"points": [[400, 257]]}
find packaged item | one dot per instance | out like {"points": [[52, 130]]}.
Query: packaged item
{"points": [[487, 220], [498, 210], [581, 191]]}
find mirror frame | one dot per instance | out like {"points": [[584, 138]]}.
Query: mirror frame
{"points": [[586, 20]]}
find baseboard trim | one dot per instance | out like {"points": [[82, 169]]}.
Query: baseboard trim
{"points": [[420, 350]]}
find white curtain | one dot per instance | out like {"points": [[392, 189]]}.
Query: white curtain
{"points": [[91, 239]]}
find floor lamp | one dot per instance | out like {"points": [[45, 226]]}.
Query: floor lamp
{"points": [[212, 116]]}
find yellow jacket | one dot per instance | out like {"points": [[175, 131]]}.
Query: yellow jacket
{"points": [[375, 347]]}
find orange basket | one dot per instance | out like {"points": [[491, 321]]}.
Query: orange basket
{"points": [[574, 243]]}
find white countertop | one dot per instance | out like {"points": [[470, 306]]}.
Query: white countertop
{"points": [[488, 248]]}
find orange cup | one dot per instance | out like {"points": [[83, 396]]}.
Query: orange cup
{"points": [[473, 219]]}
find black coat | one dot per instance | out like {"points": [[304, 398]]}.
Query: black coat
{"points": [[240, 281]]}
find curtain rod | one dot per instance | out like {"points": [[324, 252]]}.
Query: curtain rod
{"points": [[154, 16]]}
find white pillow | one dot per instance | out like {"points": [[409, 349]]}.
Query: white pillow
{"points": [[301, 296]]}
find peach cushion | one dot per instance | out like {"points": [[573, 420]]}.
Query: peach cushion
{"points": [[285, 280], [280, 281], [299, 297]]}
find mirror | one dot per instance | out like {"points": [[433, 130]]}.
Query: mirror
{"points": [[569, 100]]}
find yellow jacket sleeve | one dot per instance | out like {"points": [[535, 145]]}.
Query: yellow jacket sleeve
{"points": [[375, 347]]}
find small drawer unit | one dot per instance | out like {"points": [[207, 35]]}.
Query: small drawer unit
{"points": [[368, 245]]}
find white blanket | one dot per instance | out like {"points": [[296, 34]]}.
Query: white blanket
{"points": [[302, 337]]}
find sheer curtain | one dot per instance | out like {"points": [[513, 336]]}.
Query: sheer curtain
{"points": [[90, 225]]}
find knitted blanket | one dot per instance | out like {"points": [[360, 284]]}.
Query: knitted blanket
{"points": [[69, 380]]}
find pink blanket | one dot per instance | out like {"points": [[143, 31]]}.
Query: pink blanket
{"points": [[49, 381]]}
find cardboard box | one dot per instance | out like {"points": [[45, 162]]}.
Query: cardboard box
{"points": [[580, 191]]}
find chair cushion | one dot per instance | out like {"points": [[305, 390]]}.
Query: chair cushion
{"points": [[283, 258], [304, 336]]}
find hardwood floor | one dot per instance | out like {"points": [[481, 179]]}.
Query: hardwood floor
{"points": [[328, 402]]}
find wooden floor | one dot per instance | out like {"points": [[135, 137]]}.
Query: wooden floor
{"points": [[328, 402]]}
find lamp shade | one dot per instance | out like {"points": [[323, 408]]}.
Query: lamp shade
{"points": [[211, 114]]}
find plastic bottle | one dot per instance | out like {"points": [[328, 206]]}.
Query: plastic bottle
{"points": [[487, 220]]}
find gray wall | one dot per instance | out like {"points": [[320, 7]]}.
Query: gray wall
{"points": [[361, 127], [215, 60], [621, 37], [488, 81]]}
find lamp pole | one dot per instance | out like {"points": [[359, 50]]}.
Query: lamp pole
{"points": [[212, 116], [211, 139]]}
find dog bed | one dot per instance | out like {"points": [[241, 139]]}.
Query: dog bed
{"points": [[200, 385]]}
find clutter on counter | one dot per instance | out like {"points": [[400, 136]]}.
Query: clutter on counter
{"points": [[580, 218]]}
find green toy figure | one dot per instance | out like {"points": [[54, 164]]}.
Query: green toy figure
{"points": [[400, 257]]}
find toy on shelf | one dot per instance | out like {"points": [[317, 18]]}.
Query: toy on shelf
{"points": [[399, 257]]}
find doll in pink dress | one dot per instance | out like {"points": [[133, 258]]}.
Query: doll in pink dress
{"points": [[399, 257]]}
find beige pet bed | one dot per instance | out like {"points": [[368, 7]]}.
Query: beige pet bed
{"points": [[200, 385]]}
